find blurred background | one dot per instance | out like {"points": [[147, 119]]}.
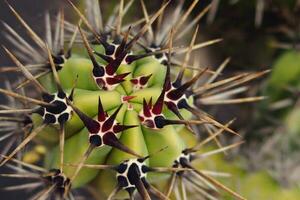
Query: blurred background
{"points": [[257, 35]]}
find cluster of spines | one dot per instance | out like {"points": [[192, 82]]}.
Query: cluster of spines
{"points": [[56, 108]]}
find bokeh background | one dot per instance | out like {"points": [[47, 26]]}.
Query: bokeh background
{"points": [[257, 35]]}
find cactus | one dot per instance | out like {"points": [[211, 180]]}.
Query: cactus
{"points": [[114, 106]]}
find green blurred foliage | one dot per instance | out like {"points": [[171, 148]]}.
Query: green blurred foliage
{"points": [[285, 73]]}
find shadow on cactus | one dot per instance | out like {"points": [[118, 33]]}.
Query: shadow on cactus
{"points": [[107, 110]]}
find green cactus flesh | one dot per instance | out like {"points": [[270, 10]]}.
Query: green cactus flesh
{"points": [[142, 139], [118, 108]]}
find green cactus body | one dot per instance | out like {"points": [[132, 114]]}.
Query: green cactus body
{"points": [[142, 139]]}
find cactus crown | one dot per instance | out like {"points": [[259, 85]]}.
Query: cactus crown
{"points": [[110, 112]]}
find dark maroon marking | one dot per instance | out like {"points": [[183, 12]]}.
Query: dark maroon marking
{"points": [[106, 136], [120, 53], [92, 125], [110, 121], [180, 91], [113, 66], [145, 79], [167, 83], [101, 83], [133, 41], [114, 81], [110, 139], [149, 123], [131, 58], [104, 57], [171, 105], [141, 118], [177, 82], [122, 46], [127, 98], [134, 81], [158, 106], [119, 128], [101, 112], [174, 108], [120, 49], [146, 109], [121, 76], [71, 96], [150, 103]]}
